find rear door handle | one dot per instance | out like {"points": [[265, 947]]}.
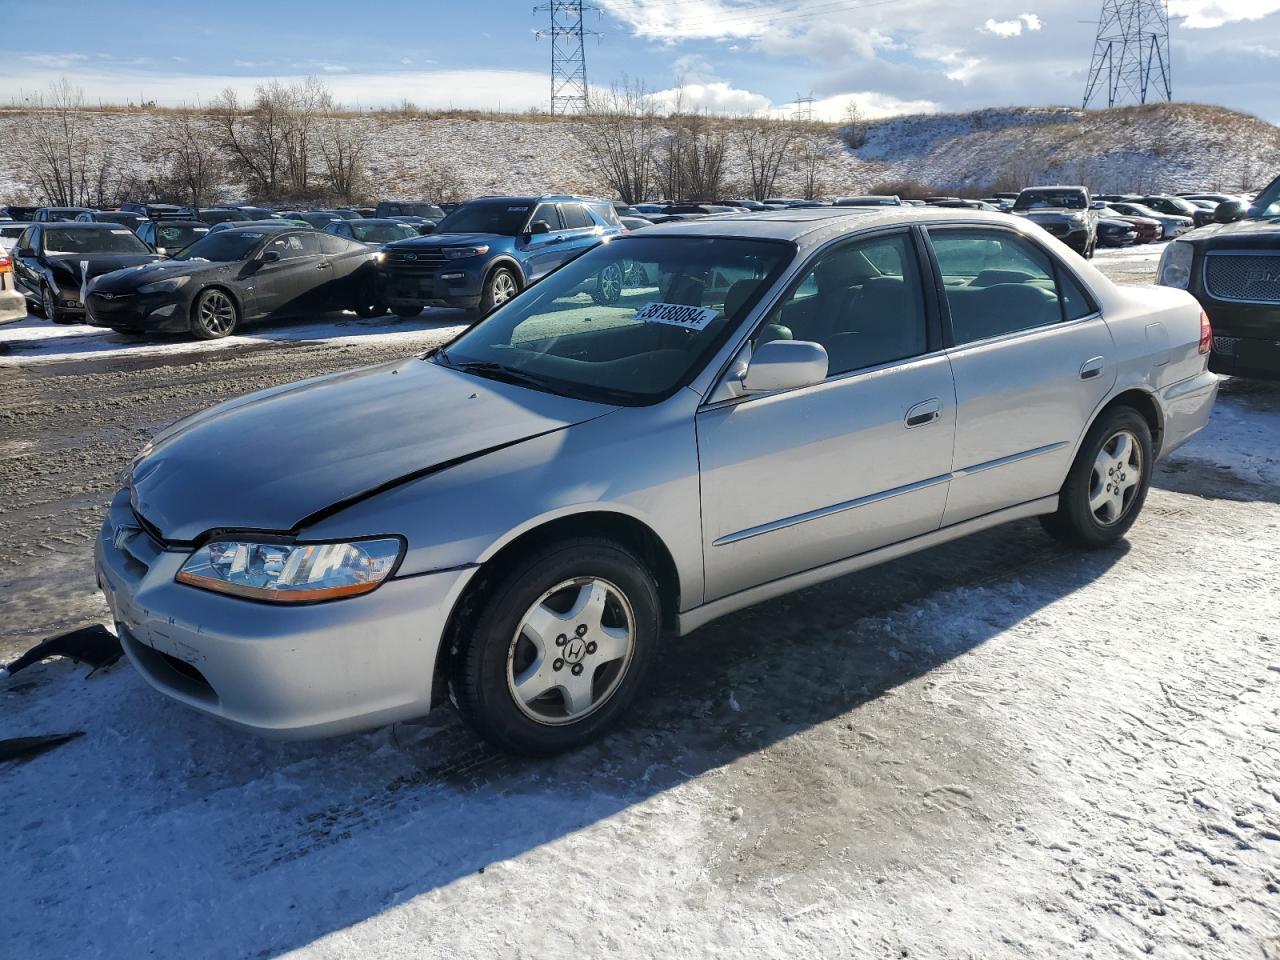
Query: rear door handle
{"points": [[1091, 368], [924, 412]]}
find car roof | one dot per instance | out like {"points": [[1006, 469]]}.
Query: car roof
{"points": [[179, 223], [377, 221], [811, 226], [80, 225]]}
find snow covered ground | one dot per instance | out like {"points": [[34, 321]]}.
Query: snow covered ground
{"points": [[997, 749]]}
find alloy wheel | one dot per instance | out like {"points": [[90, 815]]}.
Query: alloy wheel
{"points": [[216, 313], [504, 287], [571, 651], [1116, 478], [609, 284]]}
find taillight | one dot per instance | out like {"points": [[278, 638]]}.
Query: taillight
{"points": [[1206, 333], [6, 264]]}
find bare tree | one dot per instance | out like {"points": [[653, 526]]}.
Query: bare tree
{"points": [[810, 155], [621, 135], [853, 128], [192, 163], [59, 147], [766, 144], [343, 144]]}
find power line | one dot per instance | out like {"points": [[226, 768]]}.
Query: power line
{"points": [[569, 89]]}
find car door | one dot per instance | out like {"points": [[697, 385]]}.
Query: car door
{"points": [[1032, 359], [802, 478], [543, 251], [582, 231], [287, 285], [26, 268], [350, 263]]}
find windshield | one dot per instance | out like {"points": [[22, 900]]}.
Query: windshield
{"points": [[1177, 205], [1043, 199], [224, 247], [1138, 210], [382, 232], [501, 217], [628, 322], [174, 238], [65, 243], [1268, 202]]}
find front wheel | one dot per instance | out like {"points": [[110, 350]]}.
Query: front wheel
{"points": [[499, 287], [368, 303], [49, 306], [214, 315], [557, 648], [608, 285], [1107, 484]]}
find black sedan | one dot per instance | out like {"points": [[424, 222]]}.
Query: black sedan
{"points": [[121, 218], [52, 263], [1233, 268], [237, 276]]}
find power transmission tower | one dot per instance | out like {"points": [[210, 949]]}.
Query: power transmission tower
{"points": [[1131, 53], [568, 56], [804, 108]]}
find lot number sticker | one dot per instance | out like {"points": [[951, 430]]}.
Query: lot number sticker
{"points": [[677, 315]]}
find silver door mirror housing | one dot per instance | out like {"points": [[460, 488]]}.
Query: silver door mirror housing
{"points": [[785, 365]]}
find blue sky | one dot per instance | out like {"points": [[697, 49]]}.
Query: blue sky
{"points": [[886, 56]]}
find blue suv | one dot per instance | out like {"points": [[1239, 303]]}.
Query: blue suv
{"points": [[488, 250]]}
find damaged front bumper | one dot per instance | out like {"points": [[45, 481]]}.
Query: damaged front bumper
{"points": [[291, 671]]}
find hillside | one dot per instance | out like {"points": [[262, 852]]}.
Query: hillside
{"points": [[1163, 146]]}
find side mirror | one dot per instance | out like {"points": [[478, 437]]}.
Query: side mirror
{"points": [[539, 226], [24, 252], [1229, 211], [785, 365], [426, 228], [269, 256]]}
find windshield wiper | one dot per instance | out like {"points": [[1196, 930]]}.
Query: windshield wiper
{"points": [[496, 371]]}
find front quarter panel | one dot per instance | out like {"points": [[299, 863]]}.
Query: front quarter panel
{"points": [[641, 462]]}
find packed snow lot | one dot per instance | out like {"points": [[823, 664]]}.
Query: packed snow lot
{"points": [[999, 748]]}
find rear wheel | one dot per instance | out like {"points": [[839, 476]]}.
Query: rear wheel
{"points": [[499, 287], [368, 303], [608, 287], [558, 647], [214, 315], [1108, 482], [407, 313]]}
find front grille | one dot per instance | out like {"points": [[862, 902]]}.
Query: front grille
{"points": [[1057, 229], [1248, 277]]}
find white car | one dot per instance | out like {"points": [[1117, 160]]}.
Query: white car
{"points": [[10, 231], [13, 305]]}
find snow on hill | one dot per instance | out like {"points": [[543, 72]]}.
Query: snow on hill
{"points": [[1157, 147]]}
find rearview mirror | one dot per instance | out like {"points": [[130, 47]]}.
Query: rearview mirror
{"points": [[1229, 211], [269, 256], [539, 226], [785, 365]]}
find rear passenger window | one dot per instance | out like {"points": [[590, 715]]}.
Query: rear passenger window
{"points": [[862, 301], [335, 245], [998, 283], [1075, 302], [575, 217]]}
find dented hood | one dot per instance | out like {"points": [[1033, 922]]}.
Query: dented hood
{"points": [[273, 460]]}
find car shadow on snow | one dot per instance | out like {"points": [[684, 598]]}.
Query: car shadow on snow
{"points": [[292, 842]]}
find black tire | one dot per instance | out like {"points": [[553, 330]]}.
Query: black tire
{"points": [[499, 286], [369, 305], [49, 308], [1077, 522], [608, 286], [214, 314], [407, 313], [491, 648]]}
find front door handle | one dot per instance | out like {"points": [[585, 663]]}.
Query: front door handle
{"points": [[1091, 368], [927, 411], [324, 266]]}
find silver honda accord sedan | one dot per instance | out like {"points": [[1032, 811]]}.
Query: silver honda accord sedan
{"points": [[679, 424]]}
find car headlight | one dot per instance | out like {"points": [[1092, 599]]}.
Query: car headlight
{"points": [[1175, 265], [292, 572], [164, 286], [379, 256], [461, 253]]}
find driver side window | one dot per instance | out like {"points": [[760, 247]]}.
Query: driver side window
{"points": [[549, 213], [862, 301]]}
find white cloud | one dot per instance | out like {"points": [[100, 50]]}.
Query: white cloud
{"points": [[433, 89], [715, 96], [1011, 28], [1208, 14], [871, 105], [56, 61], [688, 19]]}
